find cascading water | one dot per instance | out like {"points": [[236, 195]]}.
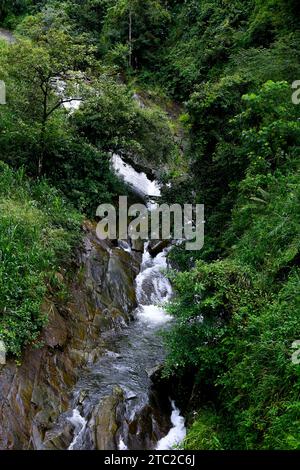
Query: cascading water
{"points": [[79, 424], [153, 289], [139, 182], [131, 355], [128, 360], [176, 434]]}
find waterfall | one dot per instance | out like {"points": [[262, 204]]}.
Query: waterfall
{"points": [[131, 355], [176, 434], [79, 424], [139, 182]]}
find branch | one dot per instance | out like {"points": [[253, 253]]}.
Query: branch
{"points": [[60, 103]]}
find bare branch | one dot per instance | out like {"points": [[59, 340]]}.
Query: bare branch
{"points": [[60, 103]]}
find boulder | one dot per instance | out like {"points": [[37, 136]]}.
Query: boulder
{"points": [[104, 421]]}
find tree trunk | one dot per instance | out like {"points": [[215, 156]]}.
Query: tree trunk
{"points": [[130, 37], [41, 150], [43, 132]]}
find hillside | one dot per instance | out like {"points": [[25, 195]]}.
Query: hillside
{"points": [[202, 95]]}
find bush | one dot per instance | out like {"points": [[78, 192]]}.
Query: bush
{"points": [[38, 232], [204, 433]]}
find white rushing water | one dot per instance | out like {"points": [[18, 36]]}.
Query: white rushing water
{"points": [[152, 286], [153, 289], [122, 445], [138, 181], [60, 87], [153, 315], [176, 435], [79, 424]]}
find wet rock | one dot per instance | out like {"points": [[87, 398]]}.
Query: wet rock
{"points": [[56, 332], [109, 276], [155, 372], [149, 425], [7, 36], [82, 396], [138, 245], [60, 438], [34, 394], [157, 246], [104, 421]]}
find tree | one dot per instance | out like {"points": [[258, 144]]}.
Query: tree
{"points": [[44, 74], [89, 15], [139, 24], [7, 7]]}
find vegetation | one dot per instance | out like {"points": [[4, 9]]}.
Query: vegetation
{"points": [[56, 154], [38, 233], [237, 306], [229, 65]]}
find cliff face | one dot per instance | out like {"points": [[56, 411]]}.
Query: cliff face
{"points": [[34, 394]]}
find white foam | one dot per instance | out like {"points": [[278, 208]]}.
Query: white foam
{"points": [[177, 434], [153, 315], [60, 87], [79, 424], [72, 106], [139, 181], [122, 445], [153, 289]]}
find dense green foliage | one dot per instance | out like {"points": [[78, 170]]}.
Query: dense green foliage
{"points": [[237, 308], [36, 130], [11, 11], [58, 152], [238, 318], [38, 232], [231, 65], [72, 150]]}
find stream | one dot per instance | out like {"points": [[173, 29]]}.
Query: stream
{"points": [[146, 420]]}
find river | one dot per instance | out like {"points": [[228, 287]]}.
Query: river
{"points": [[147, 419]]}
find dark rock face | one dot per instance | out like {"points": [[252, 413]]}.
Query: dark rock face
{"points": [[151, 424], [34, 394], [105, 421], [157, 246]]}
